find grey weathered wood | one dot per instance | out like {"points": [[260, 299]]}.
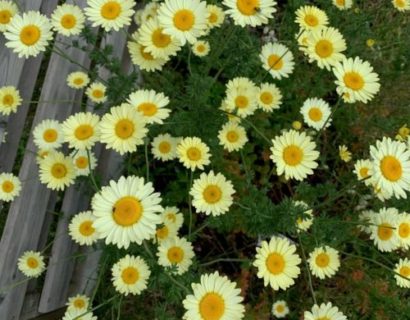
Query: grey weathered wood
{"points": [[109, 167], [27, 212], [86, 271], [32, 297], [55, 291], [14, 124], [11, 65], [61, 264], [13, 71]]}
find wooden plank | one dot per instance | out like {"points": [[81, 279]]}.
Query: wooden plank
{"points": [[59, 272], [86, 271], [56, 287], [34, 195], [32, 298], [11, 70], [109, 167], [14, 124]]}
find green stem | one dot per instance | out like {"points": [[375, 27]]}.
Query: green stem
{"points": [[91, 174], [251, 124], [373, 261], [191, 177], [278, 60], [319, 134], [146, 158], [203, 226], [189, 61], [14, 285], [245, 167], [307, 270], [97, 307], [119, 308], [145, 243], [48, 101], [223, 260], [100, 276], [241, 205], [177, 282]]}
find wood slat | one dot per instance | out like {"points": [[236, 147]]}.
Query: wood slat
{"points": [[13, 71], [56, 287], [32, 297], [30, 206], [109, 167]]}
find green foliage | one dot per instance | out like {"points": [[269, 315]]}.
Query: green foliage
{"points": [[264, 203]]}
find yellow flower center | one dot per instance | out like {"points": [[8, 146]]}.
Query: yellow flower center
{"points": [[184, 20], [130, 275], [275, 263], [7, 186], [146, 55], [297, 125], [266, 97], [200, 48], [79, 303], [172, 217], [159, 39], [148, 109], [322, 260], [404, 230], [175, 254], [162, 233], [405, 271], [98, 94], [30, 34], [353, 80], [127, 211], [275, 62], [364, 172], [232, 136], [50, 135], [212, 306], [385, 231], [324, 48], [292, 155], [400, 3], [59, 170], [340, 2], [248, 7], [404, 132], [212, 194], [164, 147], [111, 10], [241, 102], [315, 114], [32, 263], [68, 21], [5, 16], [8, 100], [391, 168], [86, 228], [78, 81], [280, 308], [124, 129], [193, 154], [81, 162], [213, 17], [323, 318], [84, 132], [311, 20]]}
